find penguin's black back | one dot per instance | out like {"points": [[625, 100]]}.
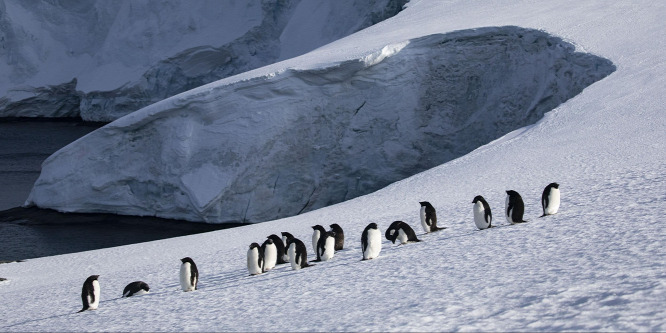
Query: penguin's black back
{"points": [[88, 291], [516, 203], [339, 236]]}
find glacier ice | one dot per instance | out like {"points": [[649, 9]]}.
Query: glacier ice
{"points": [[100, 60], [277, 145]]}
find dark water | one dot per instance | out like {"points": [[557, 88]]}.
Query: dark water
{"points": [[31, 232]]}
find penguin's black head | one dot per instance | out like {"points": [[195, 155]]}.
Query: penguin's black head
{"points": [[372, 225], [477, 198], [286, 234], [254, 245], [186, 259], [318, 227], [273, 237], [331, 233], [93, 277], [555, 185], [269, 241], [335, 226], [424, 203], [512, 193]]}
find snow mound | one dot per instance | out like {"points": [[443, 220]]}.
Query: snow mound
{"points": [[122, 56], [298, 139]]}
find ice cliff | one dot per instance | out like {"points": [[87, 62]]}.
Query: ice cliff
{"points": [[277, 143], [102, 59]]}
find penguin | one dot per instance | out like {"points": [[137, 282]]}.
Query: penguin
{"points": [[318, 231], [428, 217], [270, 254], [401, 231], [483, 217], [339, 236], [281, 251], [550, 199], [90, 293], [298, 255], [136, 288], [326, 246], [515, 208], [371, 241], [189, 275], [255, 259], [285, 238]]}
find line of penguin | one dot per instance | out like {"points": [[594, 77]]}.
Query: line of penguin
{"points": [[289, 249]]}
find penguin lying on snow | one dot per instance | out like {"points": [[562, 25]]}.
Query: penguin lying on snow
{"points": [[90, 293], [136, 288], [429, 217], [483, 217], [189, 274], [550, 199], [371, 241], [401, 231]]}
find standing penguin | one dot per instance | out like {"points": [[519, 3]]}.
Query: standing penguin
{"points": [[318, 231], [515, 208], [298, 255], [326, 246], [189, 274], [136, 288], [270, 254], [285, 239], [90, 293], [483, 217], [550, 199], [428, 217], [371, 241], [339, 236], [401, 231], [255, 259], [281, 251]]}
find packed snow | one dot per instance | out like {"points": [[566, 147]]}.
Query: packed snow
{"points": [[100, 60], [596, 265]]}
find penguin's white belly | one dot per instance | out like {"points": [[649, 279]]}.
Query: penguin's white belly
{"points": [[270, 257], [315, 240], [330, 249], [425, 225], [402, 237], [140, 292], [185, 274], [508, 212], [253, 262], [374, 244], [553, 201], [95, 304], [480, 216], [285, 256], [295, 264]]}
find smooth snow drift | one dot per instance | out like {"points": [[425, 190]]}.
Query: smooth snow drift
{"points": [[295, 140]]}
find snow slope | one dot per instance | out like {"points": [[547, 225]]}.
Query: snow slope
{"points": [[598, 265], [103, 59]]}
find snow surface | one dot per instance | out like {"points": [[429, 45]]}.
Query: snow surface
{"points": [[103, 59], [596, 265]]}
